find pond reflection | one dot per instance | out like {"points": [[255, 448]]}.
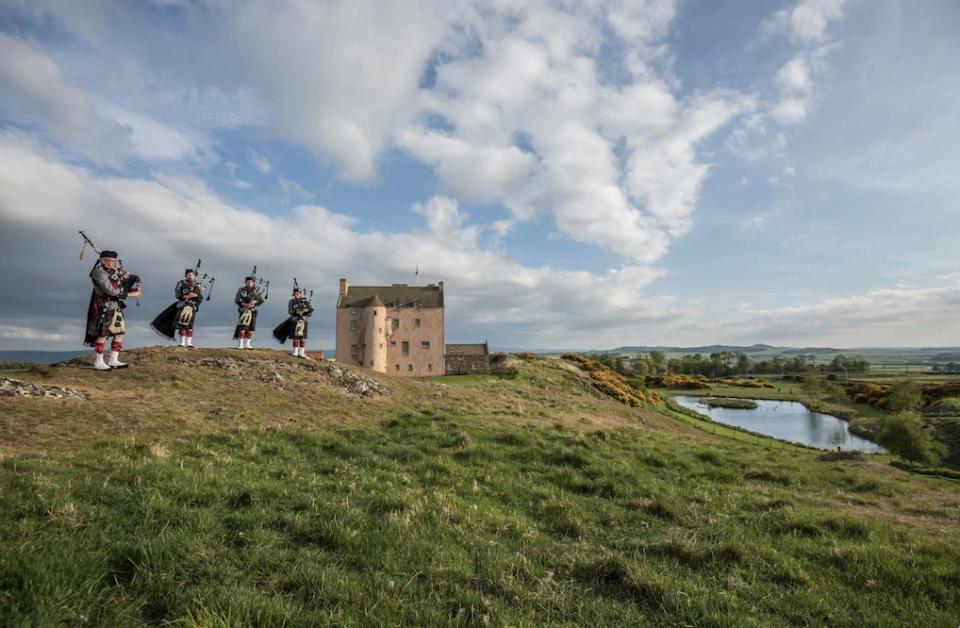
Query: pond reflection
{"points": [[786, 420]]}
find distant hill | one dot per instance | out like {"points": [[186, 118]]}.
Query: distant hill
{"points": [[951, 356], [39, 357], [810, 350], [757, 348]]}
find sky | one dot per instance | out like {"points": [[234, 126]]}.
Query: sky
{"points": [[581, 174]]}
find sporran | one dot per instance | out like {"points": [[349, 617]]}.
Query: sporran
{"points": [[186, 315], [117, 325]]}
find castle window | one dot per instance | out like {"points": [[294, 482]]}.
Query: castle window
{"points": [[393, 343], [416, 322], [405, 347], [398, 367], [409, 367], [353, 325], [396, 323], [430, 367], [425, 344], [354, 350]]}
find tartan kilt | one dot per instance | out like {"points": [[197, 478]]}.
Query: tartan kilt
{"points": [[251, 327], [165, 323], [99, 320], [288, 328]]}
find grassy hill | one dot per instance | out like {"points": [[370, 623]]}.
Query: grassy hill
{"points": [[217, 487]]}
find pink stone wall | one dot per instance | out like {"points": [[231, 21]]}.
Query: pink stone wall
{"points": [[418, 362]]}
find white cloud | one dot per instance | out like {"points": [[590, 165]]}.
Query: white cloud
{"points": [[794, 87], [445, 219], [339, 76], [755, 223], [259, 162], [795, 83], [34, 89], [472, 172], [22, 332], [899, 316], [790, 111], [154, 141], [293, 189], [84, 19], [794, 76], [806, 22], [529, 122]]}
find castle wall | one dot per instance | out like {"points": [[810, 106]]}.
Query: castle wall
{"points": [[418, 361], [347, 337]]}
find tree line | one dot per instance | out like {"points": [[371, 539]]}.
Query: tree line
{"points": [[727, 364]]}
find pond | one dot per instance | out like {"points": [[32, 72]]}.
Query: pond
{"points": [[786, 420]]}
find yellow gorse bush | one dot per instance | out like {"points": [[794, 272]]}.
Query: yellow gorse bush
{"points": [[611, 383]]}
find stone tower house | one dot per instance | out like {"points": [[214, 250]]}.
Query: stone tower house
{"points": [[396, 329]]}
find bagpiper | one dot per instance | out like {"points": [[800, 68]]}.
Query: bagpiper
{"points": [[180, 316], [248, 299], [295, 327], [111, 286]]}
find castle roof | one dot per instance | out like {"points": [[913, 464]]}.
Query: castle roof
{"points": [[398, 295]]}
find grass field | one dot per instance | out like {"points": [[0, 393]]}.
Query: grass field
{"points": [[468, 501]]}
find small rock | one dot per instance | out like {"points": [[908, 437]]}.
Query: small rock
{"points": [[10, 387]]}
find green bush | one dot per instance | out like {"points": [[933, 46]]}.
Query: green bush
{"points": [[945, 407], [947, 430], [906, 436]]}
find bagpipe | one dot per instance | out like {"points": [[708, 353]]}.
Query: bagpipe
{"points": [[127, 280], [261, 287], [304, 296], [204, 281]]}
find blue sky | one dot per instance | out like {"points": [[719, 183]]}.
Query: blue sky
{"points": [[581, 174]]}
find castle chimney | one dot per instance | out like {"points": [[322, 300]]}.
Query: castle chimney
{"points": [[344, 286], [440, 285]]}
